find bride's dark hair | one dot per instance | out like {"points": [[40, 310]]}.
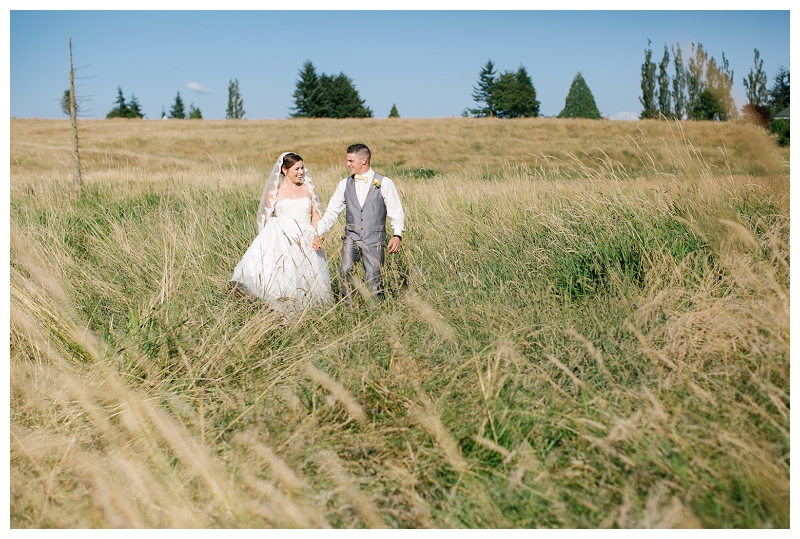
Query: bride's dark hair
{"points": [[289, 160]]}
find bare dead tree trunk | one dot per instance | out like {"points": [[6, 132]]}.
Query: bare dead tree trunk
{"points": [[76, 162]]}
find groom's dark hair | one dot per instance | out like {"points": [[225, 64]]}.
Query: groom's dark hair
{"points": [[360, 150]]}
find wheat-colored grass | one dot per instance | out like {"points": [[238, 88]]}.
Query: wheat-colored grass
{"points": [[573, 335]]}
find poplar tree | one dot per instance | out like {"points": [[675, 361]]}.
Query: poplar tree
{"points": [[664, 98], [719, 81], [648, 99], [178, 111], [235, 110], [679, 83], [756, 82], [580, 101], [695, 78]]}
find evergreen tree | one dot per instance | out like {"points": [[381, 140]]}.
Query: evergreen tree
{"points": [[65, 102], [514, 96], [779, 93], [327, 96], [664, 98], [679, 84], [484, 91], [648, 99], [135, 109], [580, 101], [235, 110], [178, 111], [756, 82], [340, 99], [121, 110], [393, 113], [194, 113], [307, 94]]}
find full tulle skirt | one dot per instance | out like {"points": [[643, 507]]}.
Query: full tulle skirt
{"points": [[282, 268]]}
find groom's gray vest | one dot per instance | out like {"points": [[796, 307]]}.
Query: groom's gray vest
{"points": [[366, 223]]}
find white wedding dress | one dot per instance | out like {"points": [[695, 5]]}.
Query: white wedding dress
{"points": [[280, 266]]}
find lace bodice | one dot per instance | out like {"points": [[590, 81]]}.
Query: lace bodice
{"points": [[295, 209]]}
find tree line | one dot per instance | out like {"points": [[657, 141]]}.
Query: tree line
{"points": [[698, 89], [511, 94]]}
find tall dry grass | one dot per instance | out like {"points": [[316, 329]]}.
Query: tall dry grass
{"points": [[565, 343], [422, 147]]}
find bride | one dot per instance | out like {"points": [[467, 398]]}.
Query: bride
{"points": [[281, 266]]}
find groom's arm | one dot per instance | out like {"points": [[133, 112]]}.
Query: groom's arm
{"points": [[335, 207], [394, 209]]}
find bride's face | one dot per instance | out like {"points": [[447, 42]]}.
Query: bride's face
{"points": [[295, 173]]}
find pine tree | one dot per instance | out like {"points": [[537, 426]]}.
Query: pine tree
{"points": [[340, 99], [135, 109], [679, 84], [235, 110], [194, 113], [307, 94], [779, 93], [393, 113], [756, 82], [648, 99], [177, 110], [121, 110], [580, 101], [664, 98], [65, 102], [484, 91], [327, 96], [513, 95]]}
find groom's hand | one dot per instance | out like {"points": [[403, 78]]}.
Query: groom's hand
{"points": [[394, 244]]}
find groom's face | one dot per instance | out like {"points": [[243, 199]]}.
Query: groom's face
{"points": [[356, 164]]}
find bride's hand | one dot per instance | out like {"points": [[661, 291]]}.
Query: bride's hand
{"points": [[316, 243]]}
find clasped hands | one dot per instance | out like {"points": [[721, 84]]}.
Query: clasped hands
{"points": [[394, 243]]}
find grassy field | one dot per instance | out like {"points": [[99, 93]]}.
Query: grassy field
{"points": [[588, 326]]}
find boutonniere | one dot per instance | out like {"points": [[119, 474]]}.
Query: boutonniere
{"points": [[377, 183]]}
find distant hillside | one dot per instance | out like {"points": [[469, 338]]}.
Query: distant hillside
{"points": [[402, 145]]}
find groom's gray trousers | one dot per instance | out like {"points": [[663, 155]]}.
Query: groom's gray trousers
{"points": [[353, 251], [364, 238]]}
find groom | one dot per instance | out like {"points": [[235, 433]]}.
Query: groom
{"points": [[369, 199]]}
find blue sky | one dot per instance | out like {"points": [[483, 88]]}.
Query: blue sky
{"points": [[425, 62]]}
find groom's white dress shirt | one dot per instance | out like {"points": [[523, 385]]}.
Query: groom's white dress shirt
{"points": [[394, 210]]}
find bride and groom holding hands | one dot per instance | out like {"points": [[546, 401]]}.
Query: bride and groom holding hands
{"points": [[286, 266]]}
